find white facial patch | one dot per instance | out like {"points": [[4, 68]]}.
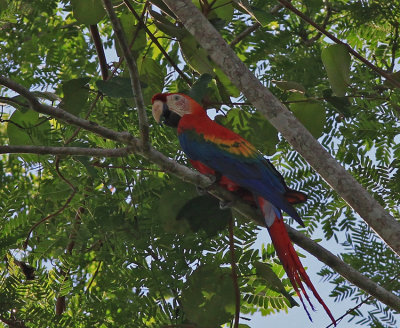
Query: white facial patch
{"points": [[178, 104]]}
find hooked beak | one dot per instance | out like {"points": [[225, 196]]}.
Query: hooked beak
{"points": [[162, 114]]}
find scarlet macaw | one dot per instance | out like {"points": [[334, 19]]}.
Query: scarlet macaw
{"points": [[240, 168]]}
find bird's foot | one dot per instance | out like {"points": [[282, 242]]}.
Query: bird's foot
{"points": [[201, 191], [223, 204]]}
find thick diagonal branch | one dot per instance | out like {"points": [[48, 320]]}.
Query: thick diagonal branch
{"points": [[285, 122]]}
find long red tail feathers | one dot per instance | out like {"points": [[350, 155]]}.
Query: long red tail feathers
{"points": [[289, 258]]}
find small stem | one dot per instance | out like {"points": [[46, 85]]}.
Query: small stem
{"points": [[94, 277], [234, 274]]}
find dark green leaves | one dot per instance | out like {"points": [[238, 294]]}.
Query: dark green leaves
{"points": [[118, 87], [75, 95], [208, 296], [336, 59], [340, 104], [200, 88], [203, 212], [27, 128], [153, 74], [180, 212]]}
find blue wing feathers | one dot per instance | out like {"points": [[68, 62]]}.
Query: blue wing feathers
{"points": [[253, 173]]}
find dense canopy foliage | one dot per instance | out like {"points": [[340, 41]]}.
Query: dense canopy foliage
{"points": [[115, 240]]}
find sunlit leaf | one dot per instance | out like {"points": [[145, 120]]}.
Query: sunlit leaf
{"points": [[336, 59], [88, 12]]}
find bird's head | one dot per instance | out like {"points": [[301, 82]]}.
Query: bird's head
{"points": [[169, 108]]}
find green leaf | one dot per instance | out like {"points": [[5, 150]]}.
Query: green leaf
{"points": [[272, 281], [336, 59], [129, 25], [3, 5], [154, 74], [27, 128], [164, 25], [116, 87], [200, 88], [226, 82], [203, 212], [88, 12], [208, 296], [309, 112], [221, 9], [75, 95], [169, 205], [262, 16], [196, 56]]}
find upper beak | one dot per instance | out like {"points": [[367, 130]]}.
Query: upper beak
{"points": [[158, 109], [162, 114]]}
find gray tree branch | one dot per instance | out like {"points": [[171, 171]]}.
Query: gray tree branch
{"points": [[285, 122], [188, 175], [77, 151]]}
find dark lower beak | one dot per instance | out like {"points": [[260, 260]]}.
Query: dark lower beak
{"points": [[170, 118]]}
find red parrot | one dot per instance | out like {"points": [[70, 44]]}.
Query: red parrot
{"points": [[239, 167]]}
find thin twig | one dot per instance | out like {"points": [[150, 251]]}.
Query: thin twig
{"points": [[8, 100], [394, 46], [325, 23], [159, 46], [244, 34], [378, 70], [234, 274], [93, 277], [60, 210], [133, 72]]}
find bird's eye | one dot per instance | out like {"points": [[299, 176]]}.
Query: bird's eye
{"points": [[176, 97]]}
